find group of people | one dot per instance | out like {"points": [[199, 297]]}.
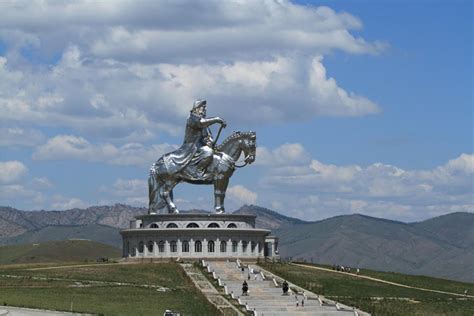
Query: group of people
{"points": [[344, 269]]}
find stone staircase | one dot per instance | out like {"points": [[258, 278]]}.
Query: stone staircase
{"points": [[265, 296]]}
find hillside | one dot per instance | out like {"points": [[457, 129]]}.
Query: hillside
{"points": [[57, 251], [99, 233], [266, 218], [441, 246], [455, 228], [362, 241], [14, 222]]}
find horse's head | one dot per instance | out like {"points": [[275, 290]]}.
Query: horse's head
{"points": [[240, 142]]}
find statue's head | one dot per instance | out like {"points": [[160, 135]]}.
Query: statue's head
{"points": [[199, 107]]}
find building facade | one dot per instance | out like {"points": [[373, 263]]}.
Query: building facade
{"points": [[197, 236]]}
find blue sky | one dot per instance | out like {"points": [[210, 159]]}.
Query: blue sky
{"points": [[359, 107]]}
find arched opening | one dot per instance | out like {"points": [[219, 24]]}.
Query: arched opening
{"points": [[210, 246], [223, 246], [171, 225], [213, 225], [259, 247], [231, 225], [244, 246], [185, 246], [154, 225], [150, 246], [252, 246], [141, 247], [192, 225], [198, 246], [173, 247], [161, 246], [235, 244]]}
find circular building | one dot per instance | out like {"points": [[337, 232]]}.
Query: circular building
{"points": [[198, 235]]}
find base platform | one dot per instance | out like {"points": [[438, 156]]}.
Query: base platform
{"points": [[197, 235]]}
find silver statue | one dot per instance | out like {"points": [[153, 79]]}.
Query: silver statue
{"points": [[199, 161]]}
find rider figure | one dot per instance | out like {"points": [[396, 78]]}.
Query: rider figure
{"points": [[196, 152], [198, 133]]}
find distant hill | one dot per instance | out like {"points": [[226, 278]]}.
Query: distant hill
{"points": [[441, 246], [100, 233], [268, 219], [57, 251], [362, 241], [14, 222], [455, 228]]}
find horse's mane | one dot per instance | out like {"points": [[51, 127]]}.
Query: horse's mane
{"points": [[235, 136]]}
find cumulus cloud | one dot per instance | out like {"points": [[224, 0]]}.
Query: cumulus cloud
{"points": [[59, 202], [11, 171], [73, 147], [317, 190], [130, 71], [129, 100], [289, 154], [241, 195], [15, 136], [162, 30]]}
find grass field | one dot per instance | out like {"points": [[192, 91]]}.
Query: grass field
{"points": [[145, 289], [379, 298], [57, 251]]}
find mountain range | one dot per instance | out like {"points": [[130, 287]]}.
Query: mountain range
{"points": [[442, 246]]}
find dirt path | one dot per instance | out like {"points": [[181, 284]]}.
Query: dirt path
{"points": [[382, 281], [85, 282], [73, 266]]}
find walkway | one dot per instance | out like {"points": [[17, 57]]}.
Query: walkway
{"points": [[212, 295], [265, 294]]}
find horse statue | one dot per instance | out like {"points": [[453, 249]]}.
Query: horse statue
{"points": [[162, 181]]}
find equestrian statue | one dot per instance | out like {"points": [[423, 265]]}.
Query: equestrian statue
{"points": [[199, 161]]}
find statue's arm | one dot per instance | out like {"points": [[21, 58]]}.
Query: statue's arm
{"points": [[206, 122]]}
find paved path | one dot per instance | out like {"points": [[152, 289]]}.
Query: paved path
{"points": [[266, 298], [206, 287], [382, 281]]}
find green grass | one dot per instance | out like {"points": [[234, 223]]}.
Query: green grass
{"points": [[57, 251], [379, 298], [105, 299], [420, 281]]}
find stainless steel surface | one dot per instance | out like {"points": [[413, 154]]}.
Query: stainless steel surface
{"points": [[198, 161]]}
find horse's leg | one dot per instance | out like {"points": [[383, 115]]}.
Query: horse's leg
{"points": [[220, 187], [167, 195], [153, 194]]}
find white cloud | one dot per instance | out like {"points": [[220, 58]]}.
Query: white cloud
{"points": [[73, 147], [241, 195], [317, 190], [10, 193], [119, 100], [463, 164], [129, 71], [11, 171], [130, 187], [41, 183], [15, 136], [59, 202], [162, 30], [289, 154]]}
